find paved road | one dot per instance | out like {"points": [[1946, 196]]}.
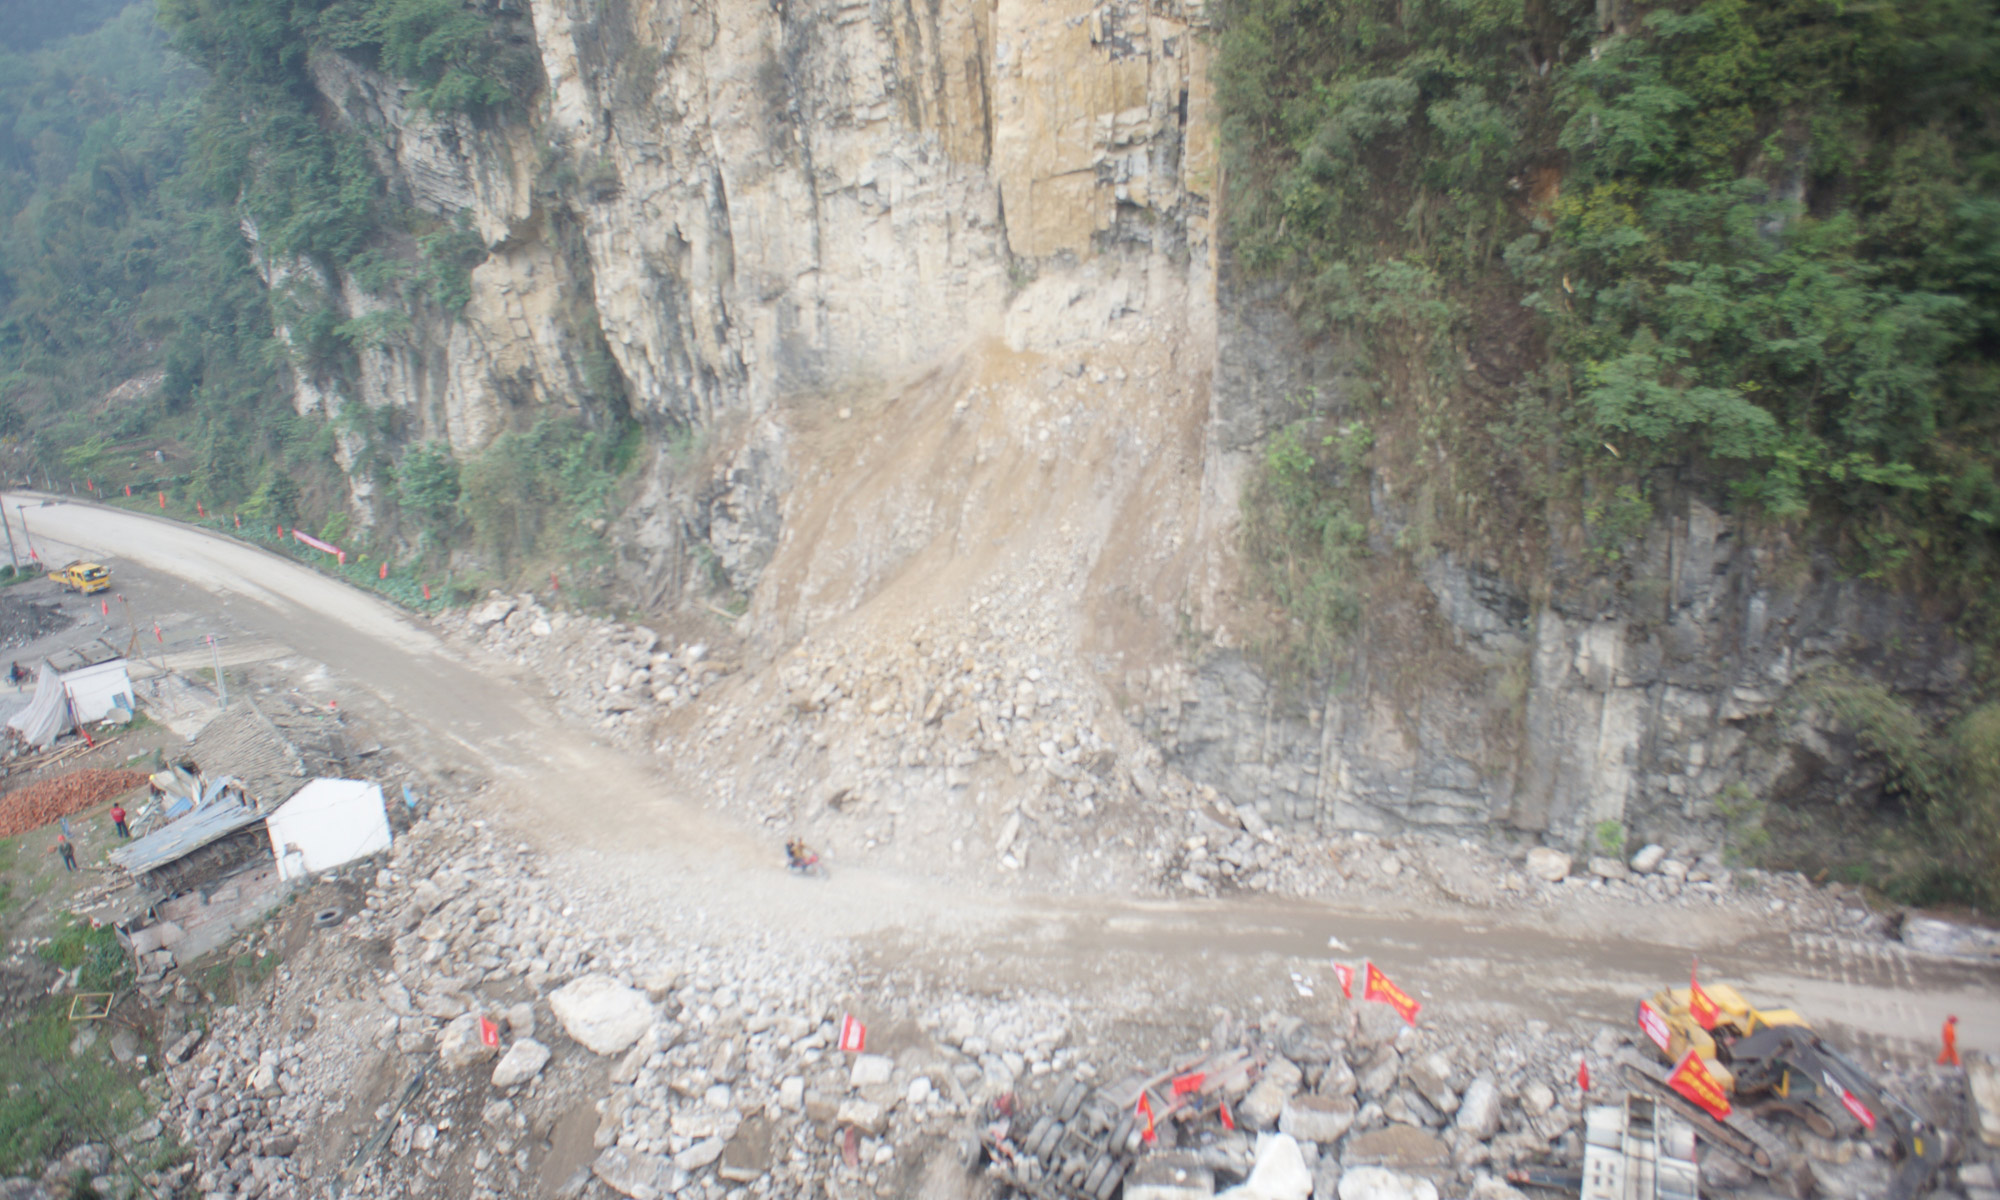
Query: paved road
{"points": [[612, 815]]}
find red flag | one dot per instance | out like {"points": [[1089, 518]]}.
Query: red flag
{"points": [[239, 522], [163, 499], [1189, 1083], [89, 485], [157, 635], [1655, 1026], [199, 510], [1228, 1121], [1700, 1007], [1145, 1110], [1583, 1073], [427, 591], [489, 1033], [384, 572], [128, 491], [1691, 1079], [853, 1034], [1345, 974], [1379, 988]]}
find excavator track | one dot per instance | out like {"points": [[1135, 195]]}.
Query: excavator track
{"points": [[1738, 1136]]}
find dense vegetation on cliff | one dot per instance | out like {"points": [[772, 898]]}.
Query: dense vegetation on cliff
{"points": [[137, 149], [1590, 255], [118, 265]]}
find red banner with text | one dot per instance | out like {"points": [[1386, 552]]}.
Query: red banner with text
{"points": [[1379, 988]]}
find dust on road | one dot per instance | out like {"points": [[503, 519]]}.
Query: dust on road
{"points": [[654, 853]]}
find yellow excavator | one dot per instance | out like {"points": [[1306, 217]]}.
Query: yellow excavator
{"points": [[1770, 1060]]}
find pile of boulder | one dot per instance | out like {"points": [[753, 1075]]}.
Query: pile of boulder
{"points": [[1366, 1107], [1023, 772], [616, 676], [467, 995], [240, 1103]]}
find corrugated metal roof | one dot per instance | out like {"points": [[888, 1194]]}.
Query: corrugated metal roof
{"points": [[243, 742], [185, 836]]}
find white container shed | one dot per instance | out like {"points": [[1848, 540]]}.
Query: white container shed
{"points": [[327, 823], [96, 690]]}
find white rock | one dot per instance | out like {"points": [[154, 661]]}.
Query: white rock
{"points": [[865, 1115], [1608, 868], [602, 1013], [1648, 860], [1479, 1108], [792, 1093], [460, 1045], [1547, 864], [699, 1155], [1379, 1183], [1537, 1098], [1321, 1119], [523, 1061], [1009, 830], [869, 1069], [1982, 1078], [1264, 1104], [1280, 1172], [919, 1093], [1943, 937], [640, 1176], [491, 613]]}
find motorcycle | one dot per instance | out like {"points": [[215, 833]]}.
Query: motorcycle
{"points": [[804, 860]]}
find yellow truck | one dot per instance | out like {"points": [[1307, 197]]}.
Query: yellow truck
{"points": [[84, 577]]}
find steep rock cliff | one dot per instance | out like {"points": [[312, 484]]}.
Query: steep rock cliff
{"points": [[920, 307]]}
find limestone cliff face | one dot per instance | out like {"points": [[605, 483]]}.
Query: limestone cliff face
{"points": [[770, 201], [919, 306]]}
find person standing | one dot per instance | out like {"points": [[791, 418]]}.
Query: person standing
{"points": [[1949, 1056], [67, 851], [118, 819]]}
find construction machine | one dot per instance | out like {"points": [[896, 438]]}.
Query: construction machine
{"points": [[1770, 1061]]}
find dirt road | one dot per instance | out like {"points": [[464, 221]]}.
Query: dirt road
{"points": [[611, 818]]}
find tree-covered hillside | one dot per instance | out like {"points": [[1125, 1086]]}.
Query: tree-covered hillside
{"points": [[1590, 257], [136, 148], [133, 318], [1760, 242]]}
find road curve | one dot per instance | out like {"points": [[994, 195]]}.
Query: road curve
{"points": [[611, 812]]}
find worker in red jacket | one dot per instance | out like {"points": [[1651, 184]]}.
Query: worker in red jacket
{"points": [[118, 819]]}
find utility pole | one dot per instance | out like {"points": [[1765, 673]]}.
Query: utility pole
{"points": [[11, 556], [221, 685], [25, 536]]}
